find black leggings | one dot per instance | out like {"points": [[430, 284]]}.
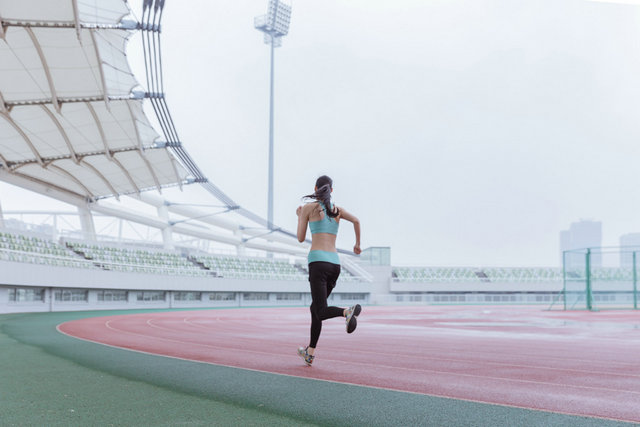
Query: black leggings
{"points": [[322, 277]]}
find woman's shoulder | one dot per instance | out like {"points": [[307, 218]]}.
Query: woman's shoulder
{"points": [[310, 206]]}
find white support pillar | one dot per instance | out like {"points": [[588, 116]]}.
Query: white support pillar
{"points": [[1, 217], [54, 232], [240, 249], [86, 221], [167, 234]]}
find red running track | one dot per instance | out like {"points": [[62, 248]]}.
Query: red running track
{"points": [[579, 363]]}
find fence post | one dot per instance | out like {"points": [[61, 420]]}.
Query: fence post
{"points": [[588, 279], [635, 283], [564, 278]]}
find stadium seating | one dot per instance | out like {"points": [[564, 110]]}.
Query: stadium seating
{"points": [[470, 274], [253, 268], [137, 260], [36, 250], [81, 254]]}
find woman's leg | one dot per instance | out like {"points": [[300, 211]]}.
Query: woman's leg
{"points": [[322, 278]]}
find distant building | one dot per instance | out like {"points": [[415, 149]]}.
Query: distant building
{"points": [[626, 257], [582, 235]]}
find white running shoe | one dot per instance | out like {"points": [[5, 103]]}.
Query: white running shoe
{"points": [[351, 317], [302, 352]]}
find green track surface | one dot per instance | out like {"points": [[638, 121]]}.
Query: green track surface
{"points": [[48, 378]]}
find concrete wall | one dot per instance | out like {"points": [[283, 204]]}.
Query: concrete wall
{"points": [[51, 278]]}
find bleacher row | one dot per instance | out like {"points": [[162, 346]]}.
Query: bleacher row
{"points": [[37, 250], [469, 274], [498, 274]]}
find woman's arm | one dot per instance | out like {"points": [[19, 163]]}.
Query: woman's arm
{"points": [[356, 228], [303, 219]]}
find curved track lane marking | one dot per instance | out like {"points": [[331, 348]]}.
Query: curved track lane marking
{"points": [[443, 396], [374, 365], [378, 365], [244, 323]]}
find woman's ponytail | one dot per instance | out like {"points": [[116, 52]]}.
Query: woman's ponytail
{"points": [[323, 194]]}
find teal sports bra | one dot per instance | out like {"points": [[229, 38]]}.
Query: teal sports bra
{"points": [[325, 225]]}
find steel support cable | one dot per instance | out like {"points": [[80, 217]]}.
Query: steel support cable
{"points": [[152, 25], [155, 82], [158, 74], [188, 161], [157, 13], [172, 134], [160, 48], [153, 94], [146, 47], [159, 105], [153, 60]]}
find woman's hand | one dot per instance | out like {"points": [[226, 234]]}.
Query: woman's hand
{"points": [[356, 250], [298, 210]]}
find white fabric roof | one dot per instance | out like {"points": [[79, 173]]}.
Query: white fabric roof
{"points": [[68, 116]]}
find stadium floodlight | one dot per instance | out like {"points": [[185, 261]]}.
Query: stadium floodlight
{"points": [[274, 25]]}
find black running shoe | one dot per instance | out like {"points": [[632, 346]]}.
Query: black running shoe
{"points": [[351, 318]]}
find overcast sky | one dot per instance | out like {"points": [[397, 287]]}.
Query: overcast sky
{"points": [[460, 132]]}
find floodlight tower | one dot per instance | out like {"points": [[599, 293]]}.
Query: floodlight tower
{"points": [[274, 25]]}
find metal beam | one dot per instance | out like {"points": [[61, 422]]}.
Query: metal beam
{"points": [[142, 191], [153, 174], [186, 229], [65, 172], [102, 177], [175, 170], [99, 59], [92, 110], [217, 221], [3, 105], [66, 100], [44, 188], [141, 149], [3, 162], [76, 18], [24, 136], [45, 66], [123, 25], [64, 135], [126, 173], [16, 164]]}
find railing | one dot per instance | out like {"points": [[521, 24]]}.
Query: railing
{"points": [[589, 284]]}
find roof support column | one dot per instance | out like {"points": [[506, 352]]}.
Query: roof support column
{"points": [[86, 221], [240, 249], [1, 217], [167, 232]]}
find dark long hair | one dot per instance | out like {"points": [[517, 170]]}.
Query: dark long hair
{"points": [[324, 184]]}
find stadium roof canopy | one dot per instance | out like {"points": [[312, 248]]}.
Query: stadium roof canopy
{"points": [[72, 124], [69, 118]]}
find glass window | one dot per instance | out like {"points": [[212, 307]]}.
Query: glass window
{"points": [[255, 296], [72, 295], [289, 297], [187, 296], [222, 296], [376, 256], [355, 297], [26, 294], [110, 295], [151, 296]]}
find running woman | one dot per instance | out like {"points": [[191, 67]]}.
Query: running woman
{"points": [[324, 265]]}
